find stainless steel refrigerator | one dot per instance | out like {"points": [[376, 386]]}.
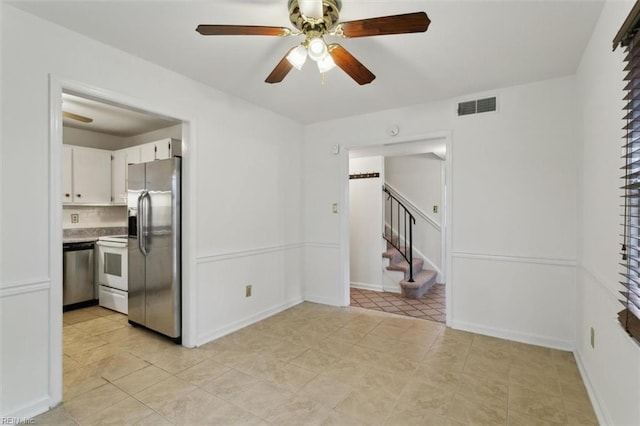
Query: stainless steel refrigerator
{"points": [[154, 246]]}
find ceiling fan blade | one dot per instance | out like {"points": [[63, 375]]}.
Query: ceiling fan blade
{"points": [[77, 117], [242, 30], [349, 64], [417, 22], [281, 70]]}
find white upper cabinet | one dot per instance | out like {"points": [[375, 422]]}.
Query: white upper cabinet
{"points": [[119, 177], [99, 177], [89, 171], [133, 155], [163, 149], [147, 152], [159, 150], [67, 164]]}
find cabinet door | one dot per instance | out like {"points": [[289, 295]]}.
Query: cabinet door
{"points": [[133, 155], [67, 173], [118, 177], [91, 176], [163, 149], [147, 152]]}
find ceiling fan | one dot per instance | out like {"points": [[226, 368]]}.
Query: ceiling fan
{"points": [[316, 18], [77, 117]]}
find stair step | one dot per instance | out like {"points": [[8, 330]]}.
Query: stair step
{"points": [[403, 266], [422, 282]]}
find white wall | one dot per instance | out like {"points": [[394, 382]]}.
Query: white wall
{"points": [[82, 137], [174, 132], [514, 207], [245, 197], [94, 216], [418, 178], [612, 368], [365, 224]]}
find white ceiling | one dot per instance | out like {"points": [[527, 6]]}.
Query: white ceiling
{"points": [[111, 119], [471, 46]]}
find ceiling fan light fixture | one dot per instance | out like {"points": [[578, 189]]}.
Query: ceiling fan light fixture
{"points": [[297, 57], [311, 8], [325, 64], [317, 48]]}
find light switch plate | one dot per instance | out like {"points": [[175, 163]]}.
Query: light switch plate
{"points": [[335, 207]]}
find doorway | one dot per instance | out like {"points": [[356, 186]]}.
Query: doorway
{"points": [[67, 218], [378, 290]]}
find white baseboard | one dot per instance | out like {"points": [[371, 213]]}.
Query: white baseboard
{"points": [[601, 413], [323, 300], [374, 287], [235, 326], [532, 339], [27, 411]]}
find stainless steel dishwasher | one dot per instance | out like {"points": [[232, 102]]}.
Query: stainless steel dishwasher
{"points": [[78, 275]]}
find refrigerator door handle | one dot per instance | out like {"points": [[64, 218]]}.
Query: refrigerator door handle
{"points": [[147, 222], [141, 225]]}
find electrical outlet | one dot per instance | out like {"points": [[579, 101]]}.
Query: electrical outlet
{"points": [[75, 218], [435, 209], [335, 207], [247, 291], [593, 338]]}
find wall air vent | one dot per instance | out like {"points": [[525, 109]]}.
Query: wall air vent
{"points": [[477, 106]]}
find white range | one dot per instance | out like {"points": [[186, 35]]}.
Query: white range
{"points": [[112, 272]]}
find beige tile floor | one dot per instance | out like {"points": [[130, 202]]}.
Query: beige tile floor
{"points": [[313, 365]]}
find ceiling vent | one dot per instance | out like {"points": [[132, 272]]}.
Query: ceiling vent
{"points": [[477, 106]]}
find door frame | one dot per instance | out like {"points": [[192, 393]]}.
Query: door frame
{"points": [[58, 85], [378, 147]]}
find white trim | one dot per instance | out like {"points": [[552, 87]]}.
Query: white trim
{"points": [[247, 253], [55, 240], [600, 410], [447, 233], [615, 297], [517, 259], [237, 325], [326, 300], [532, 339], [374, 287], [189, 283], [412, 205], [189, 227], [30, 410], [343, 179], [23, 288], [322, 245]]}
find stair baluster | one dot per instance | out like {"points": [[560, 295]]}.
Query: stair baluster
{"points": [[407, 250]]}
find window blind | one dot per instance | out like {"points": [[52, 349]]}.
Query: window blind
{"points": [[629, 37]]}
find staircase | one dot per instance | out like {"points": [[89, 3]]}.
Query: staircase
{"points": [[398, 233], [423, 279]]}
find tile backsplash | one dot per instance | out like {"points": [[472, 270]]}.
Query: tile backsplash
{"points": [[94, 216]]}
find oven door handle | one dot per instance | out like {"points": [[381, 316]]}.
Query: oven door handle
{"points": [[111, 244]]}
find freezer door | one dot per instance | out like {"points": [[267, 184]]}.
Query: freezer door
{"points": [[163, 280], [136, 261]]}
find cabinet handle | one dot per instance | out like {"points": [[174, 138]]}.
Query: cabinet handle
{"points": [[78, 195], [67, 195]]}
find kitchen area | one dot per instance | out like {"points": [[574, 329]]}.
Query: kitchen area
{"points": [[121, 213]]}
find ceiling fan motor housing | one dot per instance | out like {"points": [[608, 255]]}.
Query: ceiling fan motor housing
{"points": [[330, 16]]}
